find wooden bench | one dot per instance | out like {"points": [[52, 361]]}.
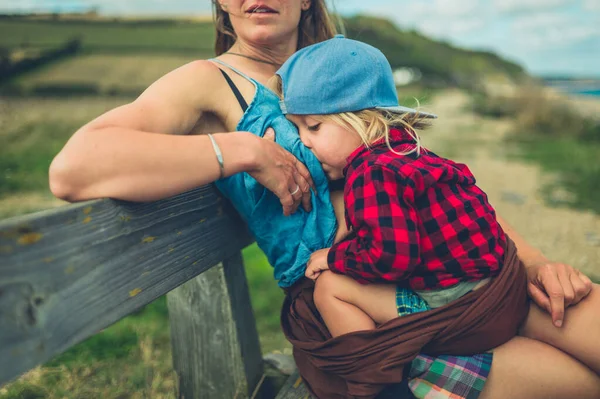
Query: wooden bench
{"points": [[68, 273]]}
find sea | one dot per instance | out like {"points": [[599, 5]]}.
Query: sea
{"points": [[576, 87]]}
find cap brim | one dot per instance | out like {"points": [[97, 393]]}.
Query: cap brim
{"points": [[405, 110]]}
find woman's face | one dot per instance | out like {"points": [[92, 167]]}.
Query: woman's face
{"points": [[330, 143], [265, 22]]}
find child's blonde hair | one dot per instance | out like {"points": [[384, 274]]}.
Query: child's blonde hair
{"points": [[371, 124]]}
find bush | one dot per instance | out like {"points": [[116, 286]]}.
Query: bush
{"points": [[537, 113], [555, 135], [494, 107]]}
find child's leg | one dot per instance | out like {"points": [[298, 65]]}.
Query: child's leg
{"points": [[347, 306], [580, 334]]}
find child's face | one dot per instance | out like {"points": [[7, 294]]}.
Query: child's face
{"points": [[330, 143]]}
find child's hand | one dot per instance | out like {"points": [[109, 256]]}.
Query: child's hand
{"points": [[317, 263]]}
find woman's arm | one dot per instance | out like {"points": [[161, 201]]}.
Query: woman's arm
{"points": [[116, 156], [528, 254], [553, 286], [141, 151]]}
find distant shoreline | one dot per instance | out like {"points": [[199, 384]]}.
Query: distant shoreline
{"points": [[593, 92], [576, 87]]}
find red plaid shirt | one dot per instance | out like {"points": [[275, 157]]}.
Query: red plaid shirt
{"points": [[416, 221]]}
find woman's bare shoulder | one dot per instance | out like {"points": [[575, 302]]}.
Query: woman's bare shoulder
{"points": [[173, 104], [197, 84]]}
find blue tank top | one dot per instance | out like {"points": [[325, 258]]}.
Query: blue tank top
{"points": [[287, 241]]}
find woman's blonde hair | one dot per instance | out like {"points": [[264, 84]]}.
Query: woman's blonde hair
{"points": [[371, 124], [316, 25]]}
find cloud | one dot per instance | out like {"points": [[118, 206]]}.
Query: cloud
{"points": [[421, 10], [437, 18], [553, 30], [591, 5], [444, 28]]}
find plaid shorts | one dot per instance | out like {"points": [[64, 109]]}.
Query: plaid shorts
{"points": [[442, 377], [454, 377], [407, 302]]}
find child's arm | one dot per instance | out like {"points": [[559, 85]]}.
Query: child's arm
{"points": [[318, 260], [385, 243], [316, 264]]}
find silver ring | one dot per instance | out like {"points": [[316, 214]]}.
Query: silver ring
{"points": [[296, 190]]}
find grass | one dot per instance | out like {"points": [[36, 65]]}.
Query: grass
{"points": [[21, 145], [121, 36], [128, 359], [107, 73], [575, 164]]}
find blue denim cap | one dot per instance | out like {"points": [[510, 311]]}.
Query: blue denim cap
{"points": [[339, 75]]}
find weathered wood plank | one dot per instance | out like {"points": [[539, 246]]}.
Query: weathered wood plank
{"points": [[216, 351], [65, 274], [294, 388]]}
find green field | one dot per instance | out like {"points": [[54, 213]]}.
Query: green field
{"points": [[106, 72], [123, 37]]}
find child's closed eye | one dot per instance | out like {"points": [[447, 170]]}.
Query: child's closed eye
{"points": [[314, 128]]}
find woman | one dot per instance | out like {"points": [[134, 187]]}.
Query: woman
{"points": [[162, 136]]}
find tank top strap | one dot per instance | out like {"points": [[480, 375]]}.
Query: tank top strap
{"points": [[242, 74]]}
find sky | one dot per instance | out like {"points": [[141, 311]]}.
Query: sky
{"points": [[547, 37]]}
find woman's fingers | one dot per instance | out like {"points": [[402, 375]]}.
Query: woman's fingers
{"points": [[564, 277], [303, 192], [555, 286], [305, 182], [287, 201], [305, 174], [283, 174], [269, 134], [551, 285], [296, 193], [539, 297], [300, 186], [582, 286]]}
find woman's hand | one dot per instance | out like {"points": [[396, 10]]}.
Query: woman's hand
{"points": [[556, 286], [317, 264], [283, 174]]}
